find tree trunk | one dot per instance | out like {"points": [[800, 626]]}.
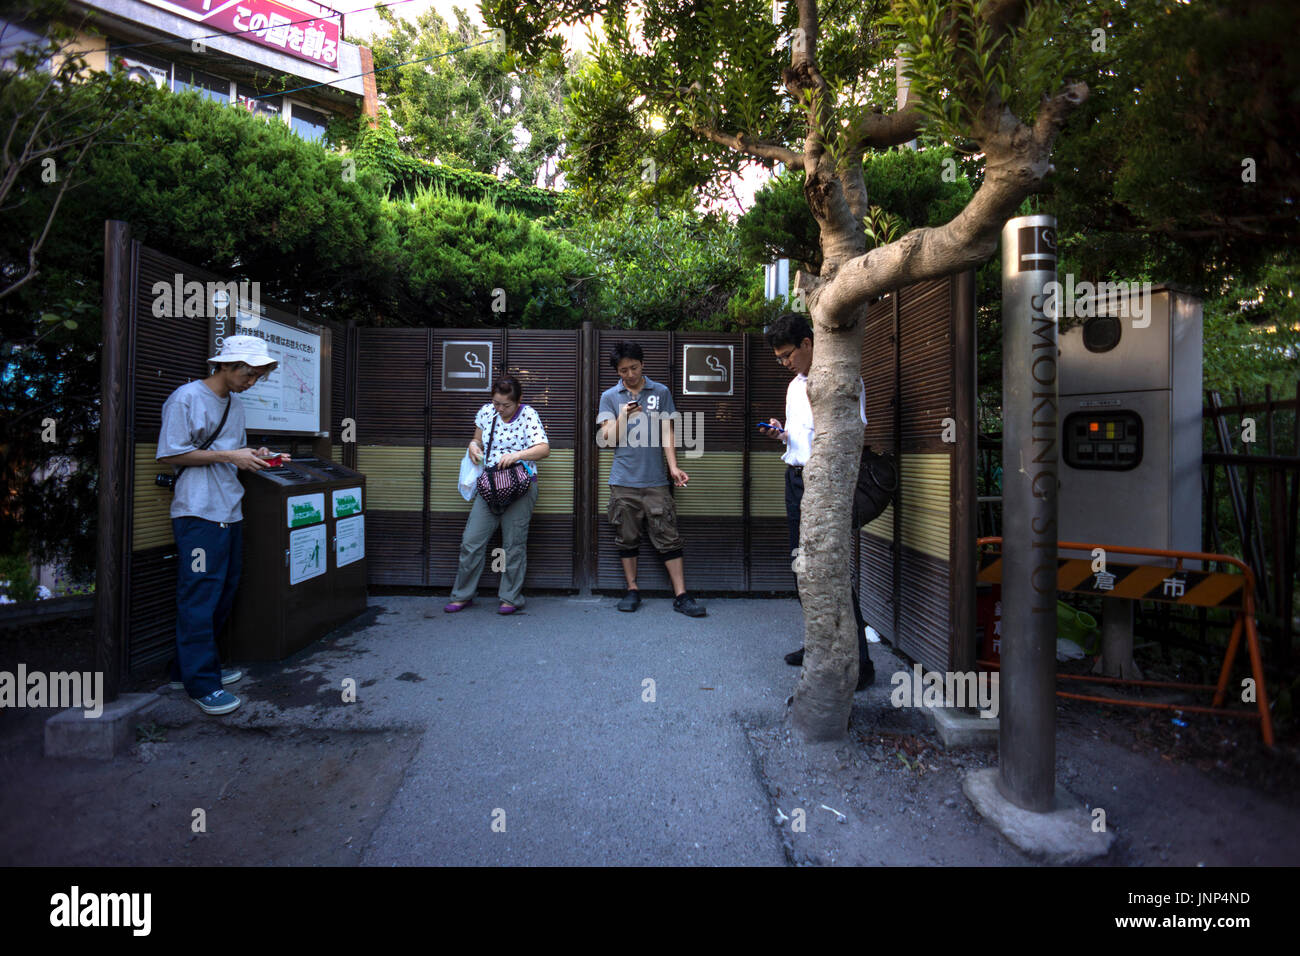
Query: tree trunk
{"points": [[824, 697]]}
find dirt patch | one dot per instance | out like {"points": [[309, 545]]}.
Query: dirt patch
{"points": [[891, 796], [887, 797], [290, 798], [1228, 750], [287, 796]]}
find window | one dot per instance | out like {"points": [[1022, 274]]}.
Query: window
{"points": [[141, 67], [249, 99], [308, 123], [15, 39], [205, 84]]}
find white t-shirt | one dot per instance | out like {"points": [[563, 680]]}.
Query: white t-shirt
{"points": [[522, 433], [189, 416], [799, 419]]}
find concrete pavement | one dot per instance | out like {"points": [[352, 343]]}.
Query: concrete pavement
{"points": [[544, 741]]}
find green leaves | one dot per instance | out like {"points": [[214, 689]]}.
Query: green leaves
{"points": [[466, 104], [456, 252], [957, 61], [882, 227], [660, 272]]}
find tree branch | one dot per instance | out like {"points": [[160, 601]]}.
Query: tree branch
{"points": [[1018, 160], [742, 142], [883, 130]]}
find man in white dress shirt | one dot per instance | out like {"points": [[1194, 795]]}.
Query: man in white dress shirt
{"points": [[790, 338]]}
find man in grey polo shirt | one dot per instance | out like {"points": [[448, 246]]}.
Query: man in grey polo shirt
{"points": [[207, 520], [634, 420]]}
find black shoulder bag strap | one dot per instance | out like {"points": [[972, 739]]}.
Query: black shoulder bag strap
{"points": [[491, 431], [213, 437]]}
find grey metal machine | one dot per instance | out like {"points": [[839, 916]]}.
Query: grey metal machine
{"points": [[1130, 404], [1130, 429]]}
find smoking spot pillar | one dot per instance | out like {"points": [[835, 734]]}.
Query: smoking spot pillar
{"points": [[1027, 732]]}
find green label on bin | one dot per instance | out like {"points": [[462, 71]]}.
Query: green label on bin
{"points": [[306, 509], [347, 501]]}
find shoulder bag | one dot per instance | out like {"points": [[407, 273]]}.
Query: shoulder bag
{"points": [[877, 482], [501, 487]]}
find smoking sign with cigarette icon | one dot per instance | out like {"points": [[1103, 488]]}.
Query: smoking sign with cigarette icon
{"points": [[465, 366], [475, 363], [715, 364], [706, 371]]}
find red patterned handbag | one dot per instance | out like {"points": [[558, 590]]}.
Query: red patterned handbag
{"points": [[501, 487]]}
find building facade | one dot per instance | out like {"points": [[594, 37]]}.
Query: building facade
{"points": [[286, 59]]}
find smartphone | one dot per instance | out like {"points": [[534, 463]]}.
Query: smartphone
{"points": [[766, 425]]}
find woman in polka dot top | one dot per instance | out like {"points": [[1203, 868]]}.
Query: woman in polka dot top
{"points": [[515, 434]]}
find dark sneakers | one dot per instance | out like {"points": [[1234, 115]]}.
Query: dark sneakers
{"points": [[685, 604], [866, 670]]}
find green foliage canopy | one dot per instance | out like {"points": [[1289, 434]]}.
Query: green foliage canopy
{"points": [[463, 103]]}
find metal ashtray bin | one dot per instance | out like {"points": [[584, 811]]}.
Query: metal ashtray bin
{"points": [[304, 570]]}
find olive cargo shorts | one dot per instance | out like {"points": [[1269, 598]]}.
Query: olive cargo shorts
{"points": [[627, 508]]}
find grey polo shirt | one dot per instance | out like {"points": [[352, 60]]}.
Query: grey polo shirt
{"points": [[640, 462], [189, 416]]}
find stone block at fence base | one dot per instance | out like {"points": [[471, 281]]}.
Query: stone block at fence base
{"points": [[960, 729], [70, 733]]}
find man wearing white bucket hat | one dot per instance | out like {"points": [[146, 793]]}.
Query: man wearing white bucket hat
{"points": [[203, 437]]}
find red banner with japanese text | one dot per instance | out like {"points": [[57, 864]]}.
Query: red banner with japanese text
{"points": [[307, 36]]}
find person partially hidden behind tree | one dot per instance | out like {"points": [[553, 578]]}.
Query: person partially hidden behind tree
{"points": [[790, 338], [634, 420], [203, 437]]}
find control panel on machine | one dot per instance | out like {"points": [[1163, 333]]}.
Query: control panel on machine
{"points": [[1111, 440]]}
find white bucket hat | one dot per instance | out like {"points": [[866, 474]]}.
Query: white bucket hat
{"points": [[248, 349]]}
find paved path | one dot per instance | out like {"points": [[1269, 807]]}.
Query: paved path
{"points": [[541, 715]]}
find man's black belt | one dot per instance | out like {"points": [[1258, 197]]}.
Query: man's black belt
{"points": [[797, 469]]}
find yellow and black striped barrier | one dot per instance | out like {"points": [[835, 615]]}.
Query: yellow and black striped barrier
{"points": [[1137, 582], [1176, 585]]}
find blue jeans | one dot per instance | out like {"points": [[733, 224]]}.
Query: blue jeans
{"points": [[205, 592]]}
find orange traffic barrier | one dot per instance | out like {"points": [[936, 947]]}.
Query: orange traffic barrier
{"points": [[1176, 585]]}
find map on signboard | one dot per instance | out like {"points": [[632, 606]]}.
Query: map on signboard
{"points": [[297, 390], [288, 399]]}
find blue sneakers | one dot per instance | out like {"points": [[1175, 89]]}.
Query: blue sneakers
{"points": [[232, 676], [218, 702]]}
